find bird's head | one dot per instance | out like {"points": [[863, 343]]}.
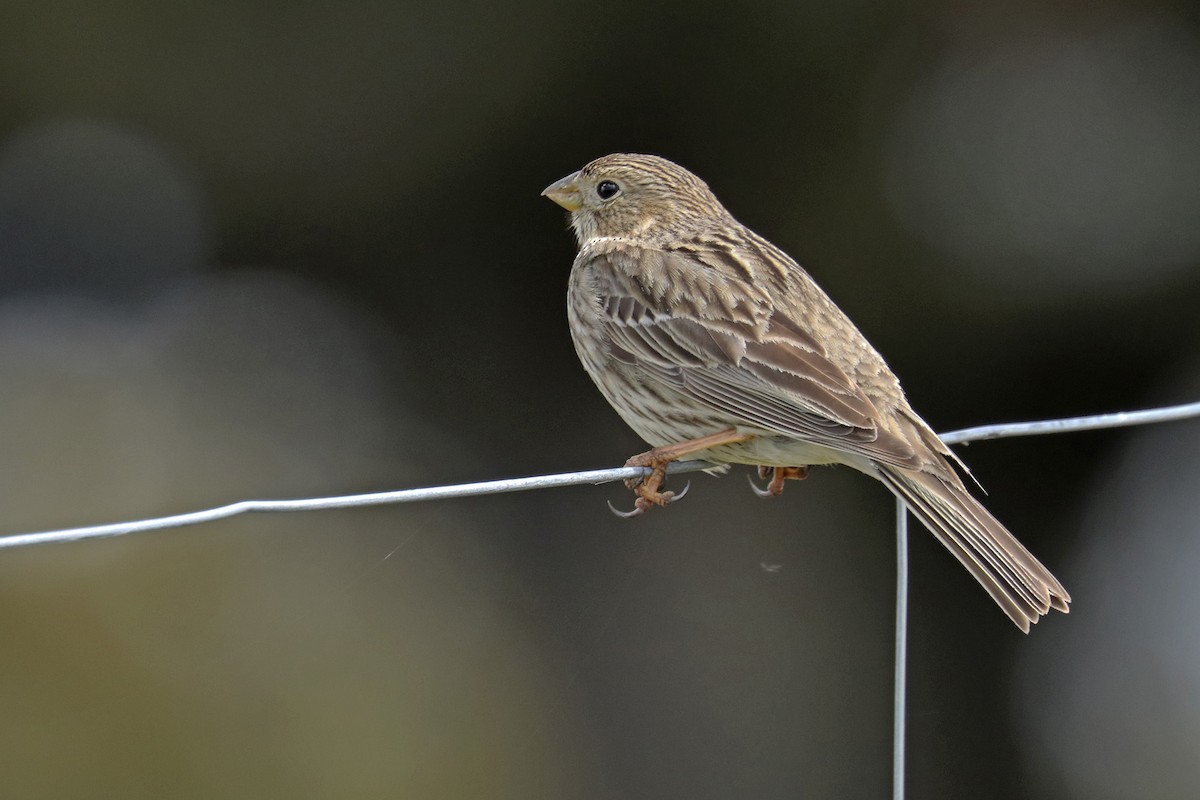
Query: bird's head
{"points": [[630, 195]]}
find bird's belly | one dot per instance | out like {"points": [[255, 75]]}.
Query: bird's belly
{"points": [[773, 450]]}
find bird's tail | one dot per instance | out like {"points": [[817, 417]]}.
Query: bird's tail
{"points": [[1011, 575]]}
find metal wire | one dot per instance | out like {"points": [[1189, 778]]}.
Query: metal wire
{"points": [[900, 691], [983, 433], [596, 476], [1121, 419]]}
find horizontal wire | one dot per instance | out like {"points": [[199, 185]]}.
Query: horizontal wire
{"points": [[1121, 419], [596, 476]]}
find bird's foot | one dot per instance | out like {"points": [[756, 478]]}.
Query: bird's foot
{"points": [[648, 499], [647, 488], [777, 475]]}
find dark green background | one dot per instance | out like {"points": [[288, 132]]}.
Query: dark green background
{"points": [[283, 250]]}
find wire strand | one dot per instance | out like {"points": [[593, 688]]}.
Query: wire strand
{"points": [[983, 433], [597, 476], [900, 691], [1121, 419]]}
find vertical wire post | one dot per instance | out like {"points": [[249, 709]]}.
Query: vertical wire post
{"points": [[901, 650]]}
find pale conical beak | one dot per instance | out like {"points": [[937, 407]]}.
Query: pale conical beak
{"points": [[565, 192]]}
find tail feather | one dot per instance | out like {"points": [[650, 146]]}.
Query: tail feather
{"points": [[1017, 581]]}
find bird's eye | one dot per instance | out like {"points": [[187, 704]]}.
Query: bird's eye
{"points": [[607, 190]]}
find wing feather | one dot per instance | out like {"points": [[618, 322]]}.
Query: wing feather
{"points": [[752, 364]]}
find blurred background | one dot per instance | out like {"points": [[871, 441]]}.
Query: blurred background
{"points": [[286, 250]]}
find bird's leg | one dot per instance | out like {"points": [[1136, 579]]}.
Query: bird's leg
{"points": [[647, 487], [778, 476]]}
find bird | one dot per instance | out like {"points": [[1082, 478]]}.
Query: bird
{"points": [[712, 343]]}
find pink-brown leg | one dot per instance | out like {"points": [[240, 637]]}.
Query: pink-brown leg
{"points": [[778, 476]]}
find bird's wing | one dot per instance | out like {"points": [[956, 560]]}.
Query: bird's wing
{"points": [[733, 352]]}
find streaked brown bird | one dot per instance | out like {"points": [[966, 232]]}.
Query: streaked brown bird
{"points": [[713, 343]]}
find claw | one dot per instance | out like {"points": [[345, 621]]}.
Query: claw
{"points": [[778, 475], [764, 493], [644, 503], [636, 512]]}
